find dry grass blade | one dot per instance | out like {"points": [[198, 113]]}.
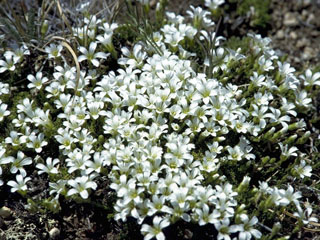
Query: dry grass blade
{"points": [[311, 223], [65, 43], [63, 16], [44, 12]]}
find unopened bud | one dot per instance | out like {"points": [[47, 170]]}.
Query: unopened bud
{"points": [[44, 28], [304, 138]]}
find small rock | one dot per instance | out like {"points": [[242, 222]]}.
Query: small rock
{"points": [[302, 43], [54, 233], [305, 14], [280, 34], [307, 53], [290, 20], [5, 212], [306, 3], [311, 19], [293, 35], [188, 234], [297, 60]]}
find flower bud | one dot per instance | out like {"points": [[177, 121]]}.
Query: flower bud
{"points": [[244, 184], [269, 133], [44, 28], [275, 229], [290, 139], [265, 160], [304, 138]]}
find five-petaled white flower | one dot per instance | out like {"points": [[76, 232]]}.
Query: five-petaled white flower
{"points": [[80, 186], [20, 184], [49, 168], [155, 231], [8, 64], [3, 111], [53, 50], [38, 81], [90, 54]]}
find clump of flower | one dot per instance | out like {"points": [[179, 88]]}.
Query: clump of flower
{"points": [[179, 140]]}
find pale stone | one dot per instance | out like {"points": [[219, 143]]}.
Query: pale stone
{"points": [[54, 233], [5, 212]]}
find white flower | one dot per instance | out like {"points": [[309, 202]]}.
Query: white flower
{"points": [[173, 18], [303, 170], [90, 55], [38, 81], [105, 40], [200, 17], [277, 117], [311, 79], [15, 139], [206, 217], [286, 197], [306, 215], [19, 162], [3, 111], [213, 4], [8, 64], [109, 28], [20, 184], [49, 167], [181, 197], [80, 186], [235, 153], [97, 163], [53, 50], [64, 138], [287, 152], [302, 99], [157, 205], [265, 64], [155, 230], [248, 230], [4, 88], [225, 229], [37, 142], [57, 187], [285, 68], [134, 59], [257, 80], [92, 21], [18, 54], [26, 107]]}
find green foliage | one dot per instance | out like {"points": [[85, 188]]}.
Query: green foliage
{"points": [[259, 11]]}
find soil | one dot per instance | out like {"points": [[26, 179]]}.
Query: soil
{"points": [[295, 32]]}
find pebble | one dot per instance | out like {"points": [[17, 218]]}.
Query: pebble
{"points": [[312, 19], [302, 43], [188, 234], [5, 212], [54, 233], [290, 20], [307, 53], [306, 3], [293, 35], [280, 34], [305, 13]]}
